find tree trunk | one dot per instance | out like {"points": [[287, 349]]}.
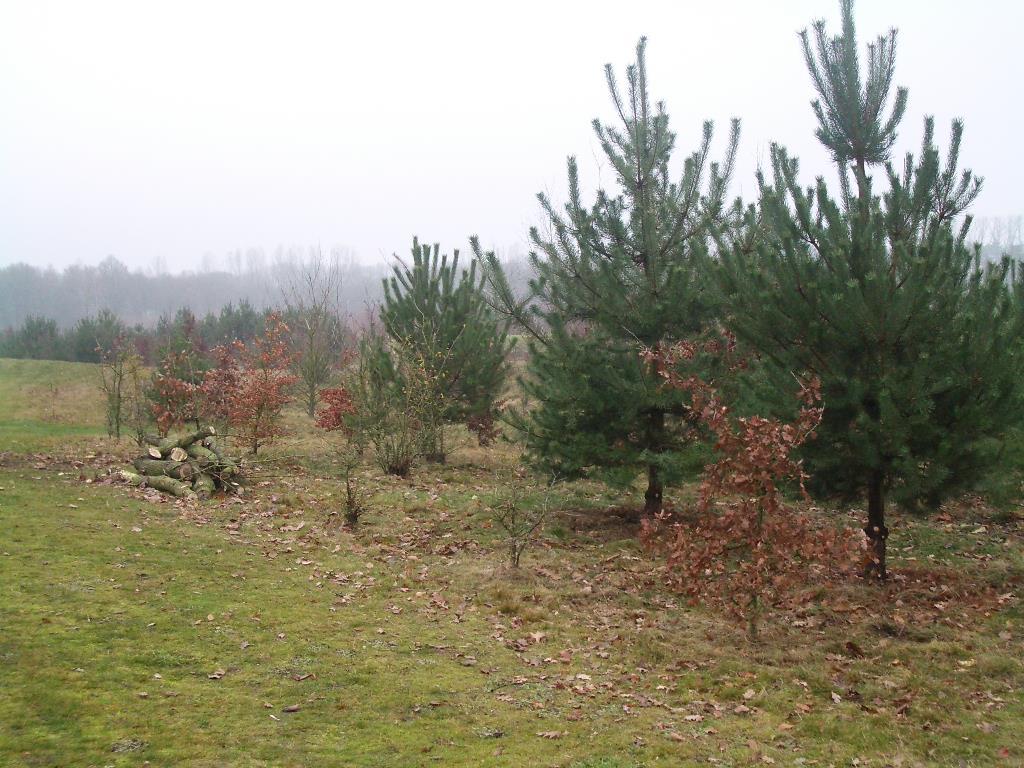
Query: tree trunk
{"points": [[179, 470], [655, 441], [160, 483], [652, 497], [203, 456], [203, 485], [227, 465], [166, 444], [877, 533]]}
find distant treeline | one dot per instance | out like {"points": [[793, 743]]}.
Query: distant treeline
{"points": [[80, 292], [41, 338], [77, 314]]}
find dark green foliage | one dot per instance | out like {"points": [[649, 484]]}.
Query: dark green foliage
{"points": [[92, 336], [180, 341], [40, 338], [610, 280], [878, 293], [37, 339], [387, 401], [241, 322], [438, 315]]}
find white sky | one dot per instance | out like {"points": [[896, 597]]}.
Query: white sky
{"points": [[172, 130]]}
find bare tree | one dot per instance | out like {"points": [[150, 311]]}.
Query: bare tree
{"points": [[520, 518], [311, 291], [1000, 236]]}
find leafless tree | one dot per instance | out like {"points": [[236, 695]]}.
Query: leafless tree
{"points": [[311, 290]]}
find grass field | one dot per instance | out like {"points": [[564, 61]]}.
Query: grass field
{"points": [[258, 632]]}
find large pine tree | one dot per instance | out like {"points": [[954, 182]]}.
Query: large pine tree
{"points": [[876, 290], [611, 279]]}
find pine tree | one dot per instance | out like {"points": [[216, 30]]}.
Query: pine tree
{"points": [[610, 280], [877, 294], [439, 316], [93, 336]]}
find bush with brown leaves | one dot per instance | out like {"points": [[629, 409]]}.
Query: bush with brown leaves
{"points": [[747, 547]]}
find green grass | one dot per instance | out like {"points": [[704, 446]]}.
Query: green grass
{"points": [[422, 648], [44, 402]]}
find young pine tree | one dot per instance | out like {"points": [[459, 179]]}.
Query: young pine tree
{"points": [[610, 280], [439, 317], [876, 292]]}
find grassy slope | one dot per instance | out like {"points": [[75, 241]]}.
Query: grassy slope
{"points": [[44, 402], [424, 650]]}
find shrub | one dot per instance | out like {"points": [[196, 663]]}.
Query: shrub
{"points": [[338, 415], [262, 386], [520, 520], [399, 405], [747, 547]]}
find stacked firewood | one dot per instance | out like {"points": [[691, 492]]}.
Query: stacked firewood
{"points": [[188, 467]]}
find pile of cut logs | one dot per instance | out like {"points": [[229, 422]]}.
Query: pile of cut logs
{"points": [[188, 467]]}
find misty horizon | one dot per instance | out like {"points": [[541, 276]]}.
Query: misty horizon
{"points": [[172, 141]]}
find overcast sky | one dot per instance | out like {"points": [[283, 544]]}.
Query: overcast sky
{"points": [[166, 131]]}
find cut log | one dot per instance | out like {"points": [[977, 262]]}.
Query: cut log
{"points": [[167, 444], [171, 486], [204, 457], [179, 470], [228, 467], [189, 466], [159, 482], [131, 478], [203, 485]]}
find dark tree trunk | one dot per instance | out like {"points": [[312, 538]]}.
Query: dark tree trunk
{"points": [[655, 442], [652, 497], [877, 533]]}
